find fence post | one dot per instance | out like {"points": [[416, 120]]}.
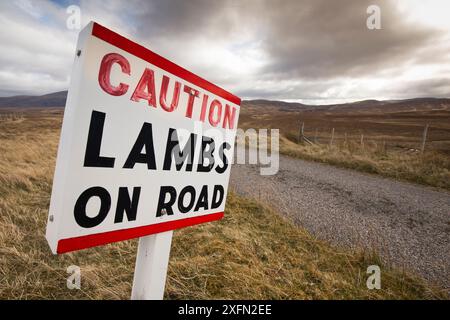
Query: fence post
{"points": [[315, 136], [301, 132], [332, 137], [424, 138]]}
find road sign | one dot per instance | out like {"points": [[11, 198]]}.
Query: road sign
{"points": [[145, 147]]}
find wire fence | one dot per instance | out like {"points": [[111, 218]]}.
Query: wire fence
{"points": [[11, 116], [333, 138]]}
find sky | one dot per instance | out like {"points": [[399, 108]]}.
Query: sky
{"points": [[315, 51]]}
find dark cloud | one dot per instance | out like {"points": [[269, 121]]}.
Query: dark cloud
{"points": [[321, 39], [178, 18], [304, 40], [431, 87]]}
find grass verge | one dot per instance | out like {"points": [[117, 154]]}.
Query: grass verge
{"points": [[253, 253], [431, 168]]}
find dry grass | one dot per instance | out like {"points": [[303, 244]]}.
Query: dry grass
{"points": [[430, 168], [252, 253], [399, 127]]}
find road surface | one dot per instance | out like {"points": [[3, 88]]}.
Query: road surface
{"points": [[407, 224]]}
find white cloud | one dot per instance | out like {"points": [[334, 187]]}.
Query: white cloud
{"points": [[248, 48], [36, 56]]}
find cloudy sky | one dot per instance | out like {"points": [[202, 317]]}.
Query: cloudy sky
{"points": [[315, 51]]}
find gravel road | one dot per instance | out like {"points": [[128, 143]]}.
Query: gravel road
{"points": [[408, 224]]}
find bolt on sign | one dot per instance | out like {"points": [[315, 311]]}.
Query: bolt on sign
{"points": [[145, 147]]}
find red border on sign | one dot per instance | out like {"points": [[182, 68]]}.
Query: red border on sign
{"points": [[93, 240], [139, 51]]}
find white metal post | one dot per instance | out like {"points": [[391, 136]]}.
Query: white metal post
{"points": [[301, 133], [151, 266], [424, 138], [332, 137]]}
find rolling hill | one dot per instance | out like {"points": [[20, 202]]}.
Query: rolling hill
{"points": [[56, 99]]}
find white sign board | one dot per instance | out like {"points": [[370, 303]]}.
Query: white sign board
{"points": [[146, 146]]}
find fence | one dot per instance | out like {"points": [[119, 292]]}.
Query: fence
{"points": [[11, 116], [329, 137]]}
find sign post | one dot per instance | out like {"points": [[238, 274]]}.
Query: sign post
{"points": [[145, 149], [151, 266]]}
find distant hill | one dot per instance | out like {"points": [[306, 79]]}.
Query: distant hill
{"points": [[56, 99], [280, 104], [415, 104]]}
